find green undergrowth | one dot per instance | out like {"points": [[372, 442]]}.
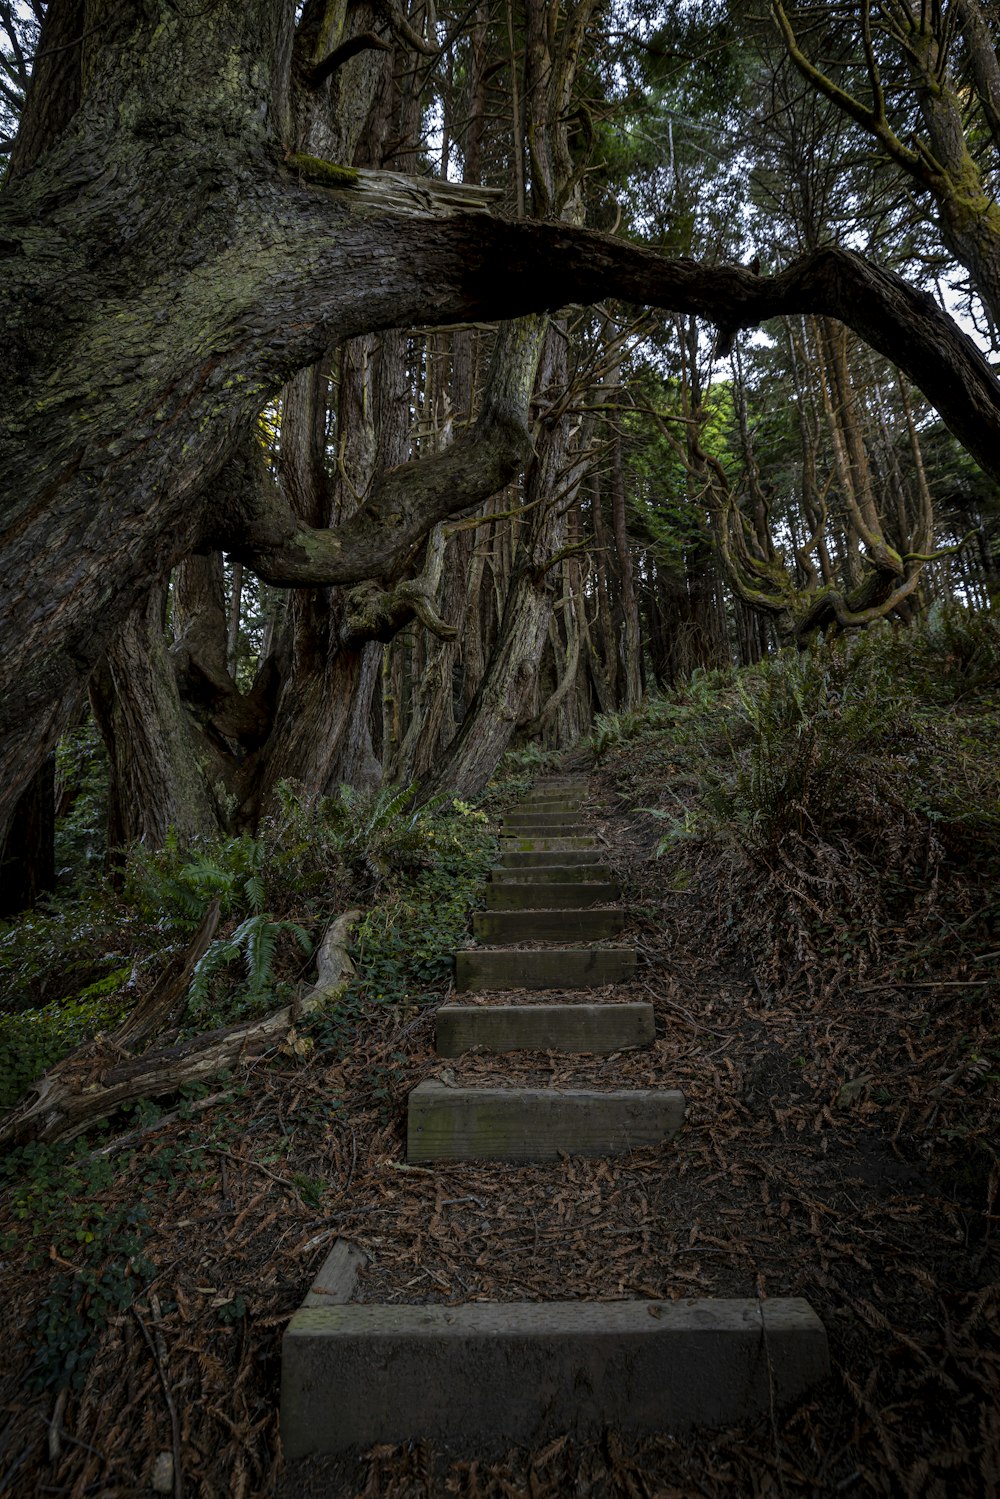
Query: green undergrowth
{"points": [[85, 1240], [843, 802], [404, 944], [518, 771], [79, 964]]}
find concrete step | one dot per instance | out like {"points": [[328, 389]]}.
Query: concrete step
{"points": [[536, 1124], [526, 843], [486, 1377], [517, 858], [564, 804], [538, 820], [572, 1028], [548, 873], [549, 897], [547, 925], [561, 830], [543, 968]]}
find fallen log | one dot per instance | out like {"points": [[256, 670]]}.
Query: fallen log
{"points": [[102, 1075]]}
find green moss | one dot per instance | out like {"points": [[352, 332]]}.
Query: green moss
{"points": [[327, 173]]}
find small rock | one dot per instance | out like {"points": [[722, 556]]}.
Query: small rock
{"points": [[163, 1473]]}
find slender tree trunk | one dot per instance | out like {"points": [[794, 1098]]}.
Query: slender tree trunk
{"points": [[631, 644]]}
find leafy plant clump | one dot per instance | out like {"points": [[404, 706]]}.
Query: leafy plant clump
{"points": [[65, 1215], [404, 944]]}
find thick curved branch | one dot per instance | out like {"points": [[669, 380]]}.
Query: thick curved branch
{"points": [[144, 393], [406, 502], [375, 613], [367, 41]]}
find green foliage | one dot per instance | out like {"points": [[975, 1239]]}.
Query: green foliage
{"points": [[372, 835], [255, 942], [403, 947], [76, 968], [676, 712], [825, 731], [517, 771], [31, 1041], [177, 883], [180, 883], [81, 802], [55, 1194]]}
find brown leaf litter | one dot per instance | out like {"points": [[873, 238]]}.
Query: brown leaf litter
{"points": [[839, 1146]]}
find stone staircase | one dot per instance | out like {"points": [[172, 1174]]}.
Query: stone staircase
{"points": [[491, 1375]]}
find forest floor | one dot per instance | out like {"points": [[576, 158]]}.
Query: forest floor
{"points": [[840, 1145]]}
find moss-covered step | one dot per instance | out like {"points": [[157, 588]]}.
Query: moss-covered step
{"points": [[559, 1027], [485, 1377], [536, 821], [513, 832], [543, 967], [527, 843], [536, 1124], [559, 783], [539, 858], [547, 925], [536, 872], [565, 804], [548, 896]]}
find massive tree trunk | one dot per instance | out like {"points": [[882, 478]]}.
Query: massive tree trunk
{"points": [[166, 270]]}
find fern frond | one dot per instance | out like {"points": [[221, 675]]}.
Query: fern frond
{"points": [[259, 937], [255, 893]]}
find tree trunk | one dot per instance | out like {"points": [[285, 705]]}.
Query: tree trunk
{"points": [[631, 644]]}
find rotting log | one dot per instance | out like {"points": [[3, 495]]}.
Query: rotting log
{"points": [[101, 1076]]}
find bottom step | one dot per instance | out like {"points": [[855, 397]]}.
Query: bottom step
{"points": [[535, 1124], [490, 1376]]}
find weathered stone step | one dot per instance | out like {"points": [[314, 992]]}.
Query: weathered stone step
{"points": [[573, 1028], [539, 820], [536, 1124], [561, 783], [546, 925], [488, 1377], [543, 968], [515, 831], [549, 897], [538, 873], [515, 858], [564, 804], [526, 843]]}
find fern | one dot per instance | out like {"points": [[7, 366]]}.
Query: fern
{"points": [[255, 941], [181, 882], [255, 893]]}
